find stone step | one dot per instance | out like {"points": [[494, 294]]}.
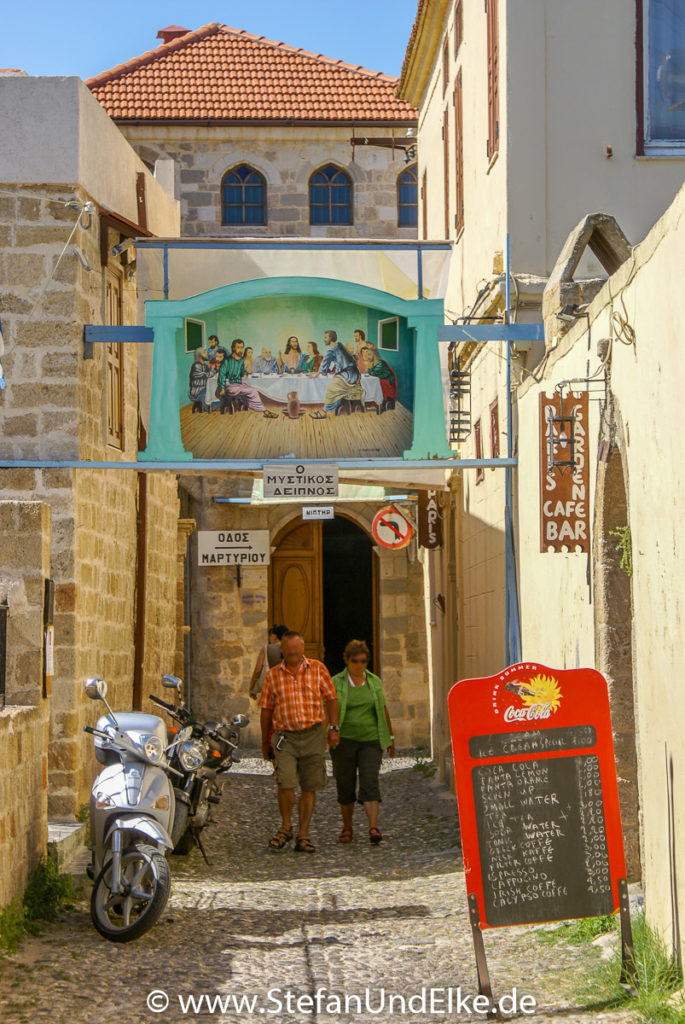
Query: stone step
{"points": [[66, 839]]}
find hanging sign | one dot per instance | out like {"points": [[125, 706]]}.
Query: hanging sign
{"points": [[233, 547], [538, 797], [391, 529], [310, 512], [430, 521], [306, 480], [564, 473]]}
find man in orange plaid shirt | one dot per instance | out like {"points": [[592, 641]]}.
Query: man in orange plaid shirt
{"points": [[293, 699]]}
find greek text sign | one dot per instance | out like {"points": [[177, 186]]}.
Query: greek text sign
{"points": [[301, 481], [233, 547], [564, 476], [538, 798], [318, 512]]}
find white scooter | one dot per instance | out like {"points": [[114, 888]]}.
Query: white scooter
{"points": [[131, 817]]}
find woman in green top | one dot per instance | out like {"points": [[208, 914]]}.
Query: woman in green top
{"points": [[365, 731]]}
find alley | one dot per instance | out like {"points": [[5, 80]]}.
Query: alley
{"points": [[378, 922]]}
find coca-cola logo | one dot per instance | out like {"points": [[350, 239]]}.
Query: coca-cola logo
{"points": [[535, 711], [526, 693]]}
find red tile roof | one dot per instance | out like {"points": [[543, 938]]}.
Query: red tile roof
{"points": [[219, 73]]}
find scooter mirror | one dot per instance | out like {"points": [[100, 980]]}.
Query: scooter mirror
{"points": [[96, 688], [172, 682], [240, 721]]}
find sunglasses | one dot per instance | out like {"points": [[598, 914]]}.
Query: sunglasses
{"points": [[363, 658]]}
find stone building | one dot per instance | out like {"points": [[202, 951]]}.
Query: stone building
{"points": [[268, 139], [522, 136], [66, 221]]}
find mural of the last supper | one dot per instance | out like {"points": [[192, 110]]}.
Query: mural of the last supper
{"points": [[307, 377]]}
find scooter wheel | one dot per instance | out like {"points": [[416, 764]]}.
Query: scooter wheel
{"points": [[123, 917]]}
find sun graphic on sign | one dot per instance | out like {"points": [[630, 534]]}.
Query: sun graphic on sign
{"points": [[545, 691]]}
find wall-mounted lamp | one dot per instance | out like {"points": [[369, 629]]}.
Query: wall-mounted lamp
{"points": [[410, 154], [569, 313], [128, 243]]}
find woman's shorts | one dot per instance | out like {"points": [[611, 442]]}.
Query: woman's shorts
{"points": [[355, 760]]}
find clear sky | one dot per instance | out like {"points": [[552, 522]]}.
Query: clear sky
{"points": [[82, 38]]}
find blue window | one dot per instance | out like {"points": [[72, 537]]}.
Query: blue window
{"points": [[663, 30], [243, 196], [408, 198], [330, 196]]}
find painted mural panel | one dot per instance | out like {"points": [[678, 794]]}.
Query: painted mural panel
{"points": [[301, 376]]}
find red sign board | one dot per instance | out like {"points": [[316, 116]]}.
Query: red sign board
{"points": [[538, 799], [391, 529]]}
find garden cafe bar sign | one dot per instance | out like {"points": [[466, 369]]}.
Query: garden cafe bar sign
{"points": [[564, 477], [311, 351]]}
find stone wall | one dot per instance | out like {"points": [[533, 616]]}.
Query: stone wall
{"points": [[25, 542], [54, 407], [286, 157], [229, 619]]}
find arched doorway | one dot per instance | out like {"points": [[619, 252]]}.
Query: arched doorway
{"points": [[614, 632], [323, 584]]}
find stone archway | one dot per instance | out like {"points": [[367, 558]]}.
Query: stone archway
{"points": [[613, 639]]}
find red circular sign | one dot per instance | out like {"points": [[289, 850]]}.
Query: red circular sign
{"points": [[391, 529]]}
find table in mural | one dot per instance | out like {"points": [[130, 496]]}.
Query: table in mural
{"points": [[310, 390]]}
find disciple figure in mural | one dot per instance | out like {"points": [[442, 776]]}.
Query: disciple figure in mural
{"points": [[360, 345], [212, 346], [266, 363], [312, 360], [291, 360], [231, 373], [200, 375], [346, 383], [249, 351], [385, 373]]}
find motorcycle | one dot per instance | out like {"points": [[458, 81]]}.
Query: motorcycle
{"points": [[202, 755], [132, 808]]}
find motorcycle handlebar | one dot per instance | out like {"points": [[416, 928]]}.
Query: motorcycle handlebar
{"points": [[171, 708]]}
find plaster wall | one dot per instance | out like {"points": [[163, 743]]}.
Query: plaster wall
{"points": [[56, 130], [557, 616], [286, 156]]}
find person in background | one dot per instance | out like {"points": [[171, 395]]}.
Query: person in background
{"points": [[365, 732], [212, 346], [266, 363], [293, 699], [231, 373], [200, 373], [360, 344], [378, 367], [270, 655], [249, 351]]}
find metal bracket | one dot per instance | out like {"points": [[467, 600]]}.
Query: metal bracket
{"points": [[484, 987], [112, 334]]}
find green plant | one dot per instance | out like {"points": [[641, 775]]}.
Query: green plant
{"points": [[47, 890], [624, 547], [423, 763], [12, 926]]}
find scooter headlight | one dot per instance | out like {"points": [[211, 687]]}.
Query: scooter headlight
{"points": [[153, 747], [192, 755]]}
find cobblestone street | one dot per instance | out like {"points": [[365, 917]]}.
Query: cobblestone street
{"points": [[389, 919]]}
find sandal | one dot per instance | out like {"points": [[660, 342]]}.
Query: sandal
{"points": [[283, 836], [318, 415], [346, 835], [375, 836], [270, 415], [304, 845]]}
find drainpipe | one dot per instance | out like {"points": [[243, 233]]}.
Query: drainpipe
{"points": [[512, 620], [141, 587]]}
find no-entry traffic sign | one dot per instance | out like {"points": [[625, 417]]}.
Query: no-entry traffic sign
{"points": [[391, 529]]}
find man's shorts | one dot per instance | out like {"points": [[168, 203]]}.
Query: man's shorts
{"points": [[300, 758]]}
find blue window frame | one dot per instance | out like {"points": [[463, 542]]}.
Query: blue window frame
{"points": [[408, 198], [330, 196], [243, 196], [663, 27]]}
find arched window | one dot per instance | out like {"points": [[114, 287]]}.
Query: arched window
{"points": [[330, 196], [243, 196], [407, 197]]}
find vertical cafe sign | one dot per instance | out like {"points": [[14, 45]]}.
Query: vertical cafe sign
{"points": [[564, 476]]}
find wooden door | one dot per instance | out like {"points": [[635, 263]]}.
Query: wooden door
{"points": [[296, 589]]}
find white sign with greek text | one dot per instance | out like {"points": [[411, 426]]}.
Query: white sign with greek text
{"points": [[233, 547], [306, 480], [318, 512]]}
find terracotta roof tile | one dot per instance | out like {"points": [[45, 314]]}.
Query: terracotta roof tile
{"points": [[221, 73]]}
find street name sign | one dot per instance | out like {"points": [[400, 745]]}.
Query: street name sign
{"points": [[306, 480], [233, 547]]}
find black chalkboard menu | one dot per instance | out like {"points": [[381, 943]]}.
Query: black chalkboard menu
{"points": [[542, 838]]}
